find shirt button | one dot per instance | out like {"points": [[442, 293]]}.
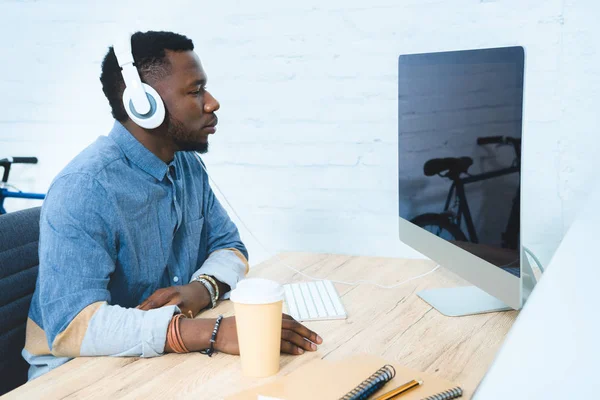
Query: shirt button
{"points": [[175, 279]]}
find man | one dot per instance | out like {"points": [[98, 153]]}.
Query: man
{"points": [[131, 223]]}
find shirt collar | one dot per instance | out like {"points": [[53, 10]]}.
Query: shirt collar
{"points": [[137, 153]]}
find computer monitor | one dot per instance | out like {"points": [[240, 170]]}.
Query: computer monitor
{"points": [[459, 164]]}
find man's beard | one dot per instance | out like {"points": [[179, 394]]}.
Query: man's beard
{"points": [[183, 138]]}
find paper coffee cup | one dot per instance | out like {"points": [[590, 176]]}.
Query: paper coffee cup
{"points": [[257, 305]]}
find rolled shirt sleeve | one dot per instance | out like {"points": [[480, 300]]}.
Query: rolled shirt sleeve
{"points": [[226, 265], [78, 251], [132, 332]]}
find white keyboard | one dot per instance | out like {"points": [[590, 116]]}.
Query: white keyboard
{"points": [[314, 301]]}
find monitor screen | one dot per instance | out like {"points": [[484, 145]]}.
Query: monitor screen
{"points": [[459, 149]]}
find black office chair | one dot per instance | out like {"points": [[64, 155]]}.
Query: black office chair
{"points": [[19, 234]]}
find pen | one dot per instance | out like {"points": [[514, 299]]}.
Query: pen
{"points": [[399, 390]]}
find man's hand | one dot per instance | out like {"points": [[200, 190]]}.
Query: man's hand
{"points": [[295, 337], [190, 298]]}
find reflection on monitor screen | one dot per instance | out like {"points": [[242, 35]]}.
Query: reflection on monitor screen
{"points": [[460, 118]]}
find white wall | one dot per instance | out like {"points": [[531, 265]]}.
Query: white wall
{"points": [[307, 142]]}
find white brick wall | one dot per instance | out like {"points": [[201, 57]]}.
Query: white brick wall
{"points": [[306, 149]]}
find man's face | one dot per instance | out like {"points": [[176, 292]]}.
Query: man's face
{"points": [[190, 108]]}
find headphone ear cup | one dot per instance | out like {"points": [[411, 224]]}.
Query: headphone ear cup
{"points": [[153, 118]]}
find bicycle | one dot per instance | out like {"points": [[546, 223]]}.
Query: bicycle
{"points": [[447, 224], [5, 193]]}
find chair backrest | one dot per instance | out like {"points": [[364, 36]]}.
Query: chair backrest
{"points": [[19, 235]]}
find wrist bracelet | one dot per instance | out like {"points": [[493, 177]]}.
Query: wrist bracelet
{"points": [[210, 351], [213, 283], [174, 339], [211, 291]]}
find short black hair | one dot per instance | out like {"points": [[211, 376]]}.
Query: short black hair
{"points": [[149, 57]]}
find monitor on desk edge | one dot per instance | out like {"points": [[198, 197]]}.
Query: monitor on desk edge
{"points": [[459, 180]]}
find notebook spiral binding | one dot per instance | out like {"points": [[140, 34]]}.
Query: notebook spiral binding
{"points": [[447, 395], [371, 384]]}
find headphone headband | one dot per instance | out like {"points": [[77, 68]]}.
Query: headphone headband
{"points": [[142, 103], [131, 76]]}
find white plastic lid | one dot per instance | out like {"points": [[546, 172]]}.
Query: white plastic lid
{"points": [[257, 291]]}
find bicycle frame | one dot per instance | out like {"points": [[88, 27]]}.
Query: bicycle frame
{"points": [[5, 194], [463, 206]]}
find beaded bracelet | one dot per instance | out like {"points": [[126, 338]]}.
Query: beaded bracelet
{"points": [[211, 291], [211, 285], [210, 351], [212, 282]]}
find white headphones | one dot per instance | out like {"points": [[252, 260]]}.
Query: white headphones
{"points": [[142, 103]]}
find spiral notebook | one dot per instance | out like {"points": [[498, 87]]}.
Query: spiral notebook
{"points": [[356, 377]]}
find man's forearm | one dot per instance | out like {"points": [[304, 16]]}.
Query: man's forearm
{"points": [[195, 334], [203, 293]]}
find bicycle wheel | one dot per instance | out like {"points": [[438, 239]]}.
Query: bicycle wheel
{"points": [[440, 225]]}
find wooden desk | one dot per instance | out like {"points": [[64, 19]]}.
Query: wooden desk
{"points": [[395, 324]]}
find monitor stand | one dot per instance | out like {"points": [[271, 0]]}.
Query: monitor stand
{"points": [[460, 301]]}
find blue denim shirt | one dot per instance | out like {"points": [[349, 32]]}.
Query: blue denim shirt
{"points": [[118, 224]]}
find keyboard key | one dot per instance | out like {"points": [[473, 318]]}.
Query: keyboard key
{"points": [[312, 310], [291, 302], [303, 311], [316, 296], [326, 299], [339, 308], [313, 301]]}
